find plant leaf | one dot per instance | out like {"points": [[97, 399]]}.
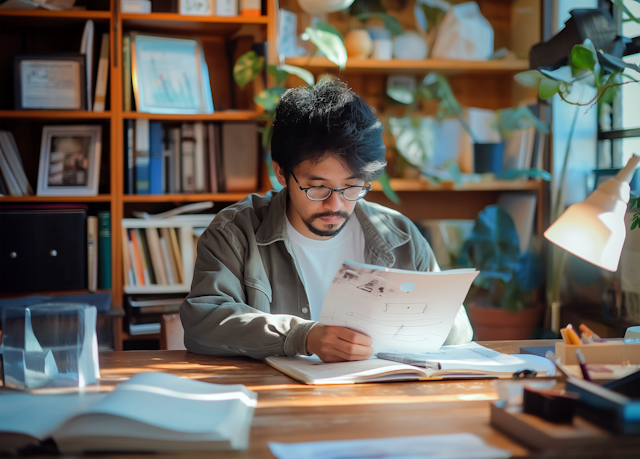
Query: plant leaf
{"points": [[326, 27], [511, 120], [330, 44], [529, 272], [584, 57], [530, 78], [434, 12], [301, 73], [279, 74], [415, 139], [247, 67], [494, 245], [548, 88], [387, 190], [615, 64], [513, 174], [401, 94], [390, 23], [269, 98]]}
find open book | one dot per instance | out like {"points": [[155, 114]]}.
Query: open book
{"points": [[149, 412], [463, 361], [405, 311]]}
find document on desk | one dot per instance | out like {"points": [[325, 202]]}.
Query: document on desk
{"points": [[402, 311], [453, 446]]}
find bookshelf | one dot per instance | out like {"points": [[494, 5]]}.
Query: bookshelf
{"points": [[479, 84]]}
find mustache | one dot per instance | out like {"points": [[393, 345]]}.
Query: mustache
{"points": [[328, 215]]}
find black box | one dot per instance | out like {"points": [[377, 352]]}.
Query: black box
{"points": [[43, 250]]}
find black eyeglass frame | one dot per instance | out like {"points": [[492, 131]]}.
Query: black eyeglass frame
{"points": [[331, 190]]}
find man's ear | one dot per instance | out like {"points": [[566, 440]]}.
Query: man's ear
{"points": [[279, 174]]}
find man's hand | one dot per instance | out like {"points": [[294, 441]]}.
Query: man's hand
{"points": [[338, 344]]}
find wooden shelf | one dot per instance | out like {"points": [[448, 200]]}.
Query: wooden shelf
{"points": [[53, 114], [70, 14], [196, 197], [414, 67], [226, 115], [175, 17], [126, 336], [36, 199], [399, 185], [173, 22]]}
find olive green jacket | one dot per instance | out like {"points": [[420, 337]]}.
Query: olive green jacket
{"points": [[247, 295]]}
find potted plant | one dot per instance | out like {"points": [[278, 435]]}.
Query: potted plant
{"points": [[413, 142], [503, 307]]}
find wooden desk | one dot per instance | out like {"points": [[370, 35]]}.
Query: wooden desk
{"points": [[291, 412]]}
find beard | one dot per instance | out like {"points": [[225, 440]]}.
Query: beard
{"points": [[332, 230]]}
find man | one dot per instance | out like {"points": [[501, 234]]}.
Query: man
{"points": [[265, 264]]}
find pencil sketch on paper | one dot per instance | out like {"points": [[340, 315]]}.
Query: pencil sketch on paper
{"points": [[400, 310]]}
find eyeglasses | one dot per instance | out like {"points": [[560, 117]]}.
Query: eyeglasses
{"points": [[321, 193]]}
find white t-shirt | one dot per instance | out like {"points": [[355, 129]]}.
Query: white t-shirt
{"points": [[320, 260]]}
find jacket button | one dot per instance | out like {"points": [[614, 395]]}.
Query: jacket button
{"points": [[305, 310]]}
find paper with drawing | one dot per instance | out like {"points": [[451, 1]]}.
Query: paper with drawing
{"points": [[403, 311]]}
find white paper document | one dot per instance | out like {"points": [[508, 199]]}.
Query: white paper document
{"points": [[402, 311], [453, 446]]}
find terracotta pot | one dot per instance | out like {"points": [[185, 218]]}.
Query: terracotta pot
{"points": [[358, 44], [490, 324]]}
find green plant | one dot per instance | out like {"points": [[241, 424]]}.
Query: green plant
{"points": [[635, 220], [508, 275], [586, 67], [250, 65], [415, 139]]}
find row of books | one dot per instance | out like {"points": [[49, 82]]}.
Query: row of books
{"points": [[152, 256], [102, 77], [13, 180], [190, 158], [199, 8], [99, 251]]}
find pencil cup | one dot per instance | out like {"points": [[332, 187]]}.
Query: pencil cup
{"points": [[49, 345]]}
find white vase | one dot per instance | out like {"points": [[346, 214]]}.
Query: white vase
{"points": [[324, 6], [359, 44], [409, 46]]}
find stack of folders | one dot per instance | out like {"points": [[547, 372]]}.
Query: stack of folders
{"points": [[151, 412], [13, 180], [143, 312], [154, 257], [190, 158]]}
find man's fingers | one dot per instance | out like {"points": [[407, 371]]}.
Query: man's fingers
{"points": [[348, 356], [352, 336]]}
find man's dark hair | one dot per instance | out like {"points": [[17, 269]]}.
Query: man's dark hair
{"points": [[328, 118]]}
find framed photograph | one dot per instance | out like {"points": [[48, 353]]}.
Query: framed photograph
{"points": [[169, 75], [69, 161], [50, 82]]}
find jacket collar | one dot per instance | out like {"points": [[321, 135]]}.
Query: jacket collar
{"points": [[380, 234]]}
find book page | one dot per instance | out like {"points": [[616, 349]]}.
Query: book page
{"points": [[472, 356], [39, 415], [402, 311], [313, 371], [148, 397]]}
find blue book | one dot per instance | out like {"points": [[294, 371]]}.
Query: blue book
{"points": [[104, 249], [129, 152], [142, 156], [155, 157]]}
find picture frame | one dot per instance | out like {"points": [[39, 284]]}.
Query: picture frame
{"points": [[50, 81], [70, 160], [169, 75]]}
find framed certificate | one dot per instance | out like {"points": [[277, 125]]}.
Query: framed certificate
{"points": [[169, 75], [50, 82], [70, 160]]}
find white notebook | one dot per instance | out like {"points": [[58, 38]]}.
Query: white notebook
{"points": [[155, 412], [463, 361]]}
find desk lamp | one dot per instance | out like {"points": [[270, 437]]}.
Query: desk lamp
{"points": [[594, 229]]}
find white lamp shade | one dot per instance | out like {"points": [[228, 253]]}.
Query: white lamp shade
{"points": [[324, 6], [594, 229]]}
